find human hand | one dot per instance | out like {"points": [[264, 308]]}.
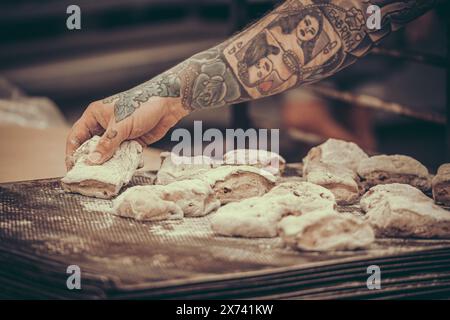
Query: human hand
{"points": [[147, 123]]}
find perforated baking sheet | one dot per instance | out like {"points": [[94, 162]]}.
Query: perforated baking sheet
{"points": [[43, 230]]}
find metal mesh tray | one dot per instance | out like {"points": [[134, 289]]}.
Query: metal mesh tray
{"points": [[43, 230]]}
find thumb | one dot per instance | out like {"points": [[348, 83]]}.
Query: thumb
{"points": [[107, 145]]}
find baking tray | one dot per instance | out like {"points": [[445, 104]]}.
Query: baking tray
{"points": [[43, 230]]}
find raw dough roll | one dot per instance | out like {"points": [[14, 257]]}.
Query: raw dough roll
{"points": [[258, 217], [194, 198], [441, 185], [234, 183], [145, 204], [385, 169], [336, 152], [402, 211], [175, 168], [263, 159], [254, 217], [341, 181], [106, 180], [325, 231], [311, 197]]}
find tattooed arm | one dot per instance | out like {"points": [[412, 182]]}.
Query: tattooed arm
{"points": [[300, 42]]}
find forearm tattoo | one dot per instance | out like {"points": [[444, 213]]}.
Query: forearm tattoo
{"points": [[300, 42]]}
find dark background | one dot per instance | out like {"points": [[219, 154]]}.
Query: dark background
{"points": [[125, 42]]}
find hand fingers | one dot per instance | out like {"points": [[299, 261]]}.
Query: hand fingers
{"points": [[85, 128], [77, 136], [141, 142], [114, 135]]}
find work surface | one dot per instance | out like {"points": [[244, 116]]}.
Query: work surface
{"points": [[44, 230]]}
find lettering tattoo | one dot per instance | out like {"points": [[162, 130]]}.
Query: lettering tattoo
{"points": [[300, 42]]}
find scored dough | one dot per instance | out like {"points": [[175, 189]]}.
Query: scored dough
{"points": [[234, 183], [441, 185], [336, 152], [258, 216], [106, 180], [341, 181], [325, 231], [384, 169], [399, 210], [194, 198], [263, 159]]}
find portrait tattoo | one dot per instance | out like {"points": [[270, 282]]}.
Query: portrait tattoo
{"points": [[304, 41], [300, 42]]}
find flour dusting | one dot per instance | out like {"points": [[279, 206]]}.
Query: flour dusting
{"points": [[98, 206]]}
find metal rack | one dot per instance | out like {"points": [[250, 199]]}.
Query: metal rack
{"points": [[240, 113]]}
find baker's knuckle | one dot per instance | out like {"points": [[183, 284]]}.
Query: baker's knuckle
{"points": [[94, 105]]}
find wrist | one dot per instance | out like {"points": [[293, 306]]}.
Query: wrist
{"points": [[174, 108]]}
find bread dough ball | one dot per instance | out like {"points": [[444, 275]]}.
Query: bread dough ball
{"points": [[258, 217], [263, 159], [176, 168], [402, 211], [336, 152], [194, 198], [106, 180], [325, 231], [441, 185], [234, 183], [311, 197], [385, 169], [341, 181], [253, 218], [143, 204]]}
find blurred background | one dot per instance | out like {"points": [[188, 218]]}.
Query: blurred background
{"points": [[49, 74]]}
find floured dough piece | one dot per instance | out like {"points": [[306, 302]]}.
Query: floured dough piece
{"points": [[234, 183], [441, 185], [311, 197], [341, 181], [175, 168], [253, 218], [258, 217], [385, 169], [106, 180], [378, 193], [263, 159], [336, 152], [195, 198], [402, 211], [325, 231], [142, 203]]}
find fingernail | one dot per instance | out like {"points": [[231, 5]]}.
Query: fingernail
{"points": [[95, 157]]}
